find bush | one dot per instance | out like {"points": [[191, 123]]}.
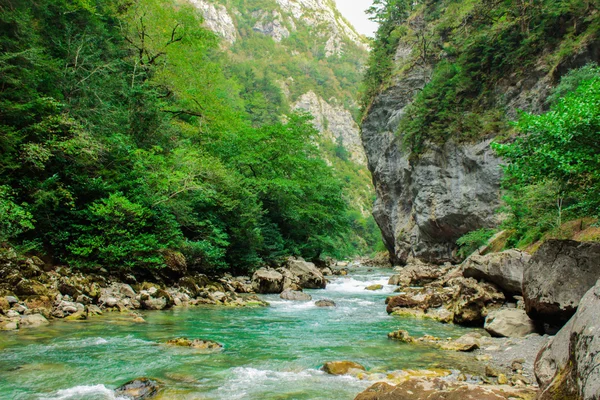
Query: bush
{"points": [[473, 240]]}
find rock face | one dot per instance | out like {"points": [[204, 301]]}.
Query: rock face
{"points": [[335, 123], [509, 322], [425, 203], [568, 367], [271, 25], [439, 389], [557, 277], [217, 19], [505, 269]]}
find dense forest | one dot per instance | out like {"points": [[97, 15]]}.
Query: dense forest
{"points": [[127, 134], [476, 54]]}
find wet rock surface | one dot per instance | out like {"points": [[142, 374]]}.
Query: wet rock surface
{"points": [[139, 389]]}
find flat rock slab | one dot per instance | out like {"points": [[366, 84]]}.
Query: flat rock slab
{"points": [[439, 389]]}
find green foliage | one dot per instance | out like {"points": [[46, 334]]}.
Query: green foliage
{"points": [[474, 47], [473, 240], [554, 167], [123, 137], [15, 218], [389, 14]]}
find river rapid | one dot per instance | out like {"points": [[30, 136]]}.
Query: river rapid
{"points": [[269, 353]]}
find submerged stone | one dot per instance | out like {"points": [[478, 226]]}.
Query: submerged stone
{"points": [[138, 389], [342, 367], [195, 343], [325, 303]]}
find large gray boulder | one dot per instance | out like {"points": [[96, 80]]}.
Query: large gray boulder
{"points": [[309, 276], [509, 322], [505, 269], [557, 277], [568, 367], [267, 280]]}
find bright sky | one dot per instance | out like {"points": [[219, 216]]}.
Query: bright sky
{"points": [[354, 11]]}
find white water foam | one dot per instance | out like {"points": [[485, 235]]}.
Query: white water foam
{"points": [[247, 381], [289, 306], [352, 285], [94, 392]]}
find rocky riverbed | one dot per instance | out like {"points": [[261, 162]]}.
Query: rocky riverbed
{"points": [[324, 331]]}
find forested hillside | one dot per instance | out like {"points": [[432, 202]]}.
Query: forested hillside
{"points": [[129, 135]]}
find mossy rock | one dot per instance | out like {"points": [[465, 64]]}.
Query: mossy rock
{"points": [[342, 367], [195, 343]]}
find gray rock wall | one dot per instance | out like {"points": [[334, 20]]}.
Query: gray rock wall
{"points": [[424, 205]]}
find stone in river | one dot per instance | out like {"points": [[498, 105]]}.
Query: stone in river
{"points": [[374, 287], [342, 367], [195, 343], [325, 303], [138, 389]]}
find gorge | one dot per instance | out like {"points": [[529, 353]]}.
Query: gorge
{"points": [[187, 187]]}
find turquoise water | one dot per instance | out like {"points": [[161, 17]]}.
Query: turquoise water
{"points": [[269, 353]]}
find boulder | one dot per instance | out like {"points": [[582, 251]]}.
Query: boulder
{"points": [[28, 287], [509, 322], [309, 276], [32, 321], [417, 274], [9, 325], [401, 301], [473, 300], [504, 269], [342, 367], [441, 389], [401, 336], [325, 303], [557, 277], [138, 389], [374, 287], [295, 295], [267, 280], [465, 343], [568, 366]]}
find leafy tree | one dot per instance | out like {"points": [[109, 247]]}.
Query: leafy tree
{"points": [[557, 150]]}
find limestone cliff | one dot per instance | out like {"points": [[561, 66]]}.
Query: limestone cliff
{"points": [[426, 201]]}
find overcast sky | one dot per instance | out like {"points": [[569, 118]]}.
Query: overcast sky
{"points": [[354, 11]]}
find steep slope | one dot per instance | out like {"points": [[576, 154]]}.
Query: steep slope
{"points": [[301, 55], [444, 79]]}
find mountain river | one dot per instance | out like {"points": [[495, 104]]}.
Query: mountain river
{"points": [[269, 353]]}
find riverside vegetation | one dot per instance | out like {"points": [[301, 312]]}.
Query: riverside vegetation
{"points": [[127, 133]]}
